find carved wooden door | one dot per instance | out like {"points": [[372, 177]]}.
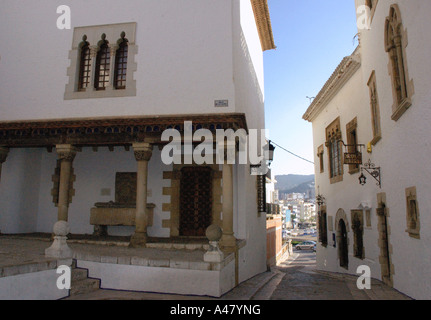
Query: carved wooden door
{"points": [[195, 201]]}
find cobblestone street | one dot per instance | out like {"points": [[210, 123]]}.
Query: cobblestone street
{"points": [[297, 279]]}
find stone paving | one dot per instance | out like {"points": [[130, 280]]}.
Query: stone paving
{"points": [[298, 279]]}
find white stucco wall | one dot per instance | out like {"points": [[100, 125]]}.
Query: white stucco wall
{"points": [[248, 72], [189, 55], [20, 287], [184, 60], [20, 177], [164, 280]]}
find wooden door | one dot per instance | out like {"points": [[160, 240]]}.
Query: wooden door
{"points": [[195, 201]]}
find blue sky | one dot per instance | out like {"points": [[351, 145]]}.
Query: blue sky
{"points": [[312, 37]]}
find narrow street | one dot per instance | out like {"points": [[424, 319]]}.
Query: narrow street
{"points": [[297, 279]]}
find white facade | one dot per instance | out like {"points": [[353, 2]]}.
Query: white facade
{"points": [[401, 152], [185, 55]]}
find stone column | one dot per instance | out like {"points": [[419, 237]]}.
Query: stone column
{"points": [[59, 248], [93, 54], [113, 53], [3, 155], [66, 154], [143, 153], [228, 240]]}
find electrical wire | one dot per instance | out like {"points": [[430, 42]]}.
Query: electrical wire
{"points": [[292, 153]]}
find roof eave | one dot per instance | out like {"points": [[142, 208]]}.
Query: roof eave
{"points": [[345, 70], [263, 23]]}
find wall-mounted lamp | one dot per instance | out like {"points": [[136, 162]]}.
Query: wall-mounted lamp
{"points": [[262, 167], [270, 155], [373, 171]]}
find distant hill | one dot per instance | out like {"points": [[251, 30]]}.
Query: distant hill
{"points": [[301, 188], [287, 183]]}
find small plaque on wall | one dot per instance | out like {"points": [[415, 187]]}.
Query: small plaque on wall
{"points": [[221, 103]]}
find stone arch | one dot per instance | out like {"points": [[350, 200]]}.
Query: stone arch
{"points": [[341, 215], [342, 229]]}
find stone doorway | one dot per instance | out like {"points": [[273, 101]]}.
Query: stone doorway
{"points": [[343, 251], [386, 266], [195, 201]]}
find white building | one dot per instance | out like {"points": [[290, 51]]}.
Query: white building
{"points": [[379, 98], [83, 110]]}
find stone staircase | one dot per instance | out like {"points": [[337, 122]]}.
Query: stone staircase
{"points": [[81, 283]]}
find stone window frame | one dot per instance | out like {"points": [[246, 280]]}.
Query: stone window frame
{"points": [[84, 72], [320, 152], [375, 109], [121, 62], [333, 135], [352, 139], [368, 224], [115, 34], [396, 43], [412, 213], [385, 233], [372, 4], [323, 226]]}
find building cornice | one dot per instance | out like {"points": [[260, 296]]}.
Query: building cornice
{"points": [[109, 131], [263, 23], [345, 70]]}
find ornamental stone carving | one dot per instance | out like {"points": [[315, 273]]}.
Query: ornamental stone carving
{"points": [[143, 151], [66, 152]]}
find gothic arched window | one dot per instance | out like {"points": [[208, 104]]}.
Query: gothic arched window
{"points": [[395, 44], [103, 62], [121, 64], [84, 66]]}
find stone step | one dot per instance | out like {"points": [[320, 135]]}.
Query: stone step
{"points": [[79, 274], [81, 283], [84, 286]]}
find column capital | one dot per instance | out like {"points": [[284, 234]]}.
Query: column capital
{"points": [[143, 151], [66, 152], [3, 154]]}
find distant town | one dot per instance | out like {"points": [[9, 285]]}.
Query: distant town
{"points": [[293, 197]]}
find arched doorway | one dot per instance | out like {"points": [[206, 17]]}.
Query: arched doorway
{"points": [[342, 227], [343, 250]]}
